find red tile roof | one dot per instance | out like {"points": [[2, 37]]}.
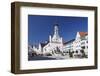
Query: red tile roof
{"points": [[83, 34]]}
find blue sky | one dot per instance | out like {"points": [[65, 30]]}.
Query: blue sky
{"points": [[40, 27]]}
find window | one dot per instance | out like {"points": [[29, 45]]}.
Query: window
{"points": [[82, 43]]}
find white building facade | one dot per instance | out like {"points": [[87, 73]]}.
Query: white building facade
{"points": [[55, 43], [79, 45], [56, 46]]}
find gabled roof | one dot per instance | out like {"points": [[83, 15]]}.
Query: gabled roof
{"points": [[82, 34], [43, 44], [69, 41]]}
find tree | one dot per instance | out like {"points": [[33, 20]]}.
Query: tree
{"points": [[83, 53], [70, 53]]}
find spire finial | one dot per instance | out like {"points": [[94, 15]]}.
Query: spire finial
{"points": [[56, 30]]}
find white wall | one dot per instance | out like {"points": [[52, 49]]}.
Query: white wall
{"points": [[5, 33]]}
